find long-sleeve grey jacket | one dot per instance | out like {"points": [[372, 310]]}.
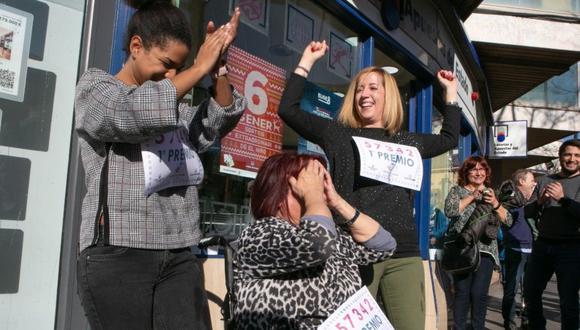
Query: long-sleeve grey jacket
{"points": [[108, 111]]}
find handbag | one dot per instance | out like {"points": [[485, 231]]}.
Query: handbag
{"points": [[459, 257]]}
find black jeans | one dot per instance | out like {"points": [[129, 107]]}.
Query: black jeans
{"points": [[471, 291], [515, 264], [549, 257], [126, 288]]}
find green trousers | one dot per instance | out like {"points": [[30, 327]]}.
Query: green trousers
{"points": [[402, 286]]}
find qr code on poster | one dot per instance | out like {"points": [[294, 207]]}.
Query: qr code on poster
{"points": [[7, 78]]}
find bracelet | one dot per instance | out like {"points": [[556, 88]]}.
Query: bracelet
{"points": [[222, 71], [353, 219], [303, 69], [497, 207], [453, 104]]}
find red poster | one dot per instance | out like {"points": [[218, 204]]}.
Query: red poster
{"points": [[258, 135]]}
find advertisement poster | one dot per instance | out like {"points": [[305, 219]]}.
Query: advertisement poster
{"points": [[254, 13], [508, 139], [15, 32], [320, 102], [258, 134]]}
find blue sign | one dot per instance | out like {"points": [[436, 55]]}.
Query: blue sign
{"points": [[320, 102]]}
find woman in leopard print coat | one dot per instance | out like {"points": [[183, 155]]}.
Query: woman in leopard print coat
{"points": [[294, 267]]}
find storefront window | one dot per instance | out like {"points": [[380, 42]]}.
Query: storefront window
{"points": [[268, 46], [402, 76], [443, 177]]}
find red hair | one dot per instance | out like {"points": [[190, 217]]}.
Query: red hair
{"points": [[469, 164], [271, 187]]}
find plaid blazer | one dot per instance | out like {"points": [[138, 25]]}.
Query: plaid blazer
{"points": [[108, 111]]}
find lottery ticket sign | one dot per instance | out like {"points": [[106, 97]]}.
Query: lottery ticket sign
{"points": [[360, 311], [169, 161], [392, 163], [258, 134]]}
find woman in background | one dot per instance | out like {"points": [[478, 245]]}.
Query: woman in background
{"points": [[471, 289]]}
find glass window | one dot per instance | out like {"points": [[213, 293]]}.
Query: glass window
{"points": [[443, 177], [268, 46], [563, 90], [557, 92], [402, 76]]}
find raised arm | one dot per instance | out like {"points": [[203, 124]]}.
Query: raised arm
{"points": [[309, 126], [107, 110], [447, 139]]}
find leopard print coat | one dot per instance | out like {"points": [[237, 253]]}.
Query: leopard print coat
{"points": [[288, 277]]}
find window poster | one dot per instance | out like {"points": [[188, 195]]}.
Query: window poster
{"points": [[299, 29], [341, 56], [254, 13], [320, 102], [15, 33], [258, 134]]}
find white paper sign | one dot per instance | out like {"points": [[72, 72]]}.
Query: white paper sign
{"points": [[15, 32], [169, 162], [360, 311], [392, 163], [508, 139]]}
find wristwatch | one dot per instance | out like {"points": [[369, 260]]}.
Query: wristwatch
{"points": [[222, 71]]}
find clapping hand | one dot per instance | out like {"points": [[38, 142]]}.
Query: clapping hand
{"points": [[217, 41]]}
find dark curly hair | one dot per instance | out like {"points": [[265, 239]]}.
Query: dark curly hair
{"points": [[156, 22]]}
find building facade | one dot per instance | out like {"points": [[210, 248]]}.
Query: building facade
{"points": [[42, 181], [529, 51]]}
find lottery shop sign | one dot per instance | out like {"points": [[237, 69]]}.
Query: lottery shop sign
{"points": [[258, 134]]}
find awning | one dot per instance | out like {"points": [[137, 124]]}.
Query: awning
{"points": [[512, 71], [538, 137]]}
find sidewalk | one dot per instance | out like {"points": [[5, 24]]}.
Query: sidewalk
{"points": [[494, 320]]}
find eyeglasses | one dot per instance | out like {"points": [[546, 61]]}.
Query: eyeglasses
{"points": [[475, 170]]}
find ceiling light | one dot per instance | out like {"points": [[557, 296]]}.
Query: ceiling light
{"points": [[390, 69]]}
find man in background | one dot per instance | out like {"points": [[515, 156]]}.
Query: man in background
{"points": [[518, 240], [557, 249]]}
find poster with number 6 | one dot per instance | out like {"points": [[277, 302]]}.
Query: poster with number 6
{"points": [[360, 311], [258, 134]]}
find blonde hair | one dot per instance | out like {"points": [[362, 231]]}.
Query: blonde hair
{"points": [[392, 112]]}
